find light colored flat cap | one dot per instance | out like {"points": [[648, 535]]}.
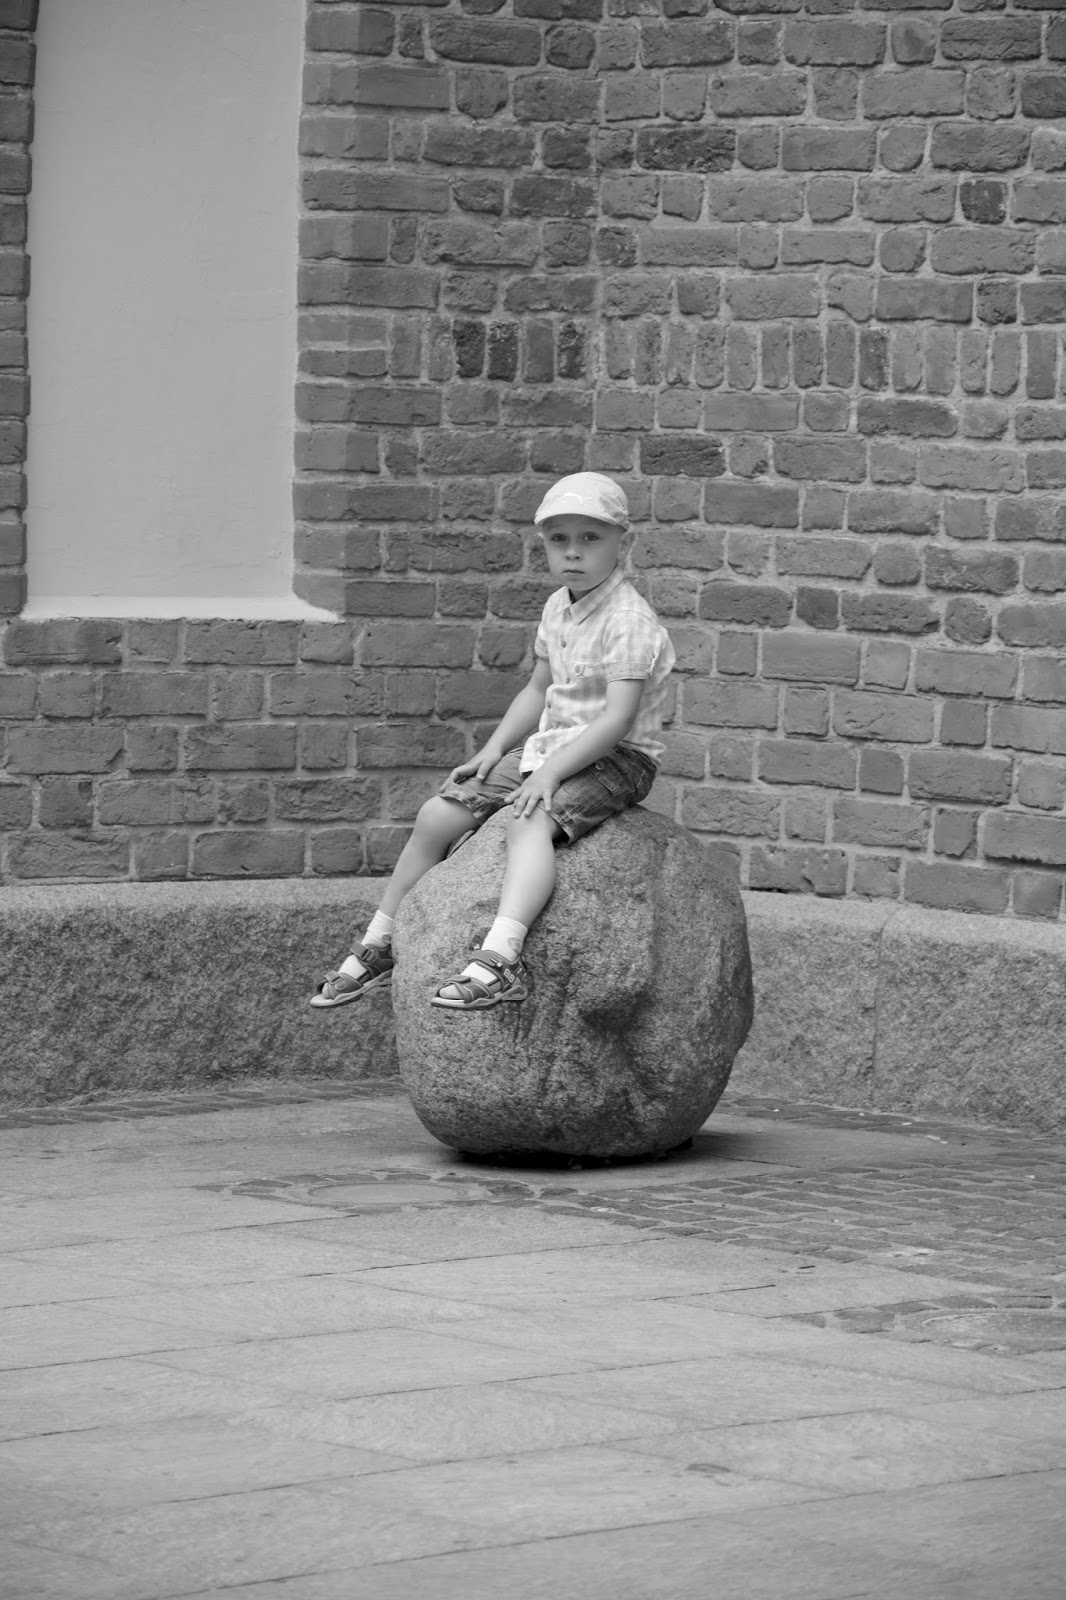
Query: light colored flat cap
{"points": [[587, 494]]}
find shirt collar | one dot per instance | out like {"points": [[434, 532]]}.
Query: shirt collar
{"points": [[588, 603]]}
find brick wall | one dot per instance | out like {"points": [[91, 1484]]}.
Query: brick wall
{"points": [[18, 18], [799, 280]]}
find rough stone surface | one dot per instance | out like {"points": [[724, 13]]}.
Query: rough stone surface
{"points": [[113, 987], [641, 997], [152, 986], [816, 965], [901, 1009], [975, 1016]]}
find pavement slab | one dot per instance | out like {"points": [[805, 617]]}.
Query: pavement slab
{"points": [[278, 1344]]}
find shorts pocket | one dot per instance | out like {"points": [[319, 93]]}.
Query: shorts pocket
{"points": [[615, 778]]}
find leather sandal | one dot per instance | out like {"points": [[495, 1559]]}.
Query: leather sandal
{"points": [[340, 988], [478, 994]]}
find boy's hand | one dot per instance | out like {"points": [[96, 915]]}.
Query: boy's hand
{"points": [[478, 766], [537, 790]]}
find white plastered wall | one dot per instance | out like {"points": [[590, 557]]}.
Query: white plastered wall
{"points": [[162, 314]]}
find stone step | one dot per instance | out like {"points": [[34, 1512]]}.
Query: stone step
{"points": [[131, 987]]}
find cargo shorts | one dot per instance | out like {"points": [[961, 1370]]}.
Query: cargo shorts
{"points": [[617, 781]]}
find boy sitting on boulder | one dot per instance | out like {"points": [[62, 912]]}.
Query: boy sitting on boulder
{"points": [[577, 745]]}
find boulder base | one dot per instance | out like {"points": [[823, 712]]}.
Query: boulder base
{"points": [[641, 997]]}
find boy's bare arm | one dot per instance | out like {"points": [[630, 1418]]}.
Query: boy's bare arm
{"points": [[597, 740], [521, 718]]}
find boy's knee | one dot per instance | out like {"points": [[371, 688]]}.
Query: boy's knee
{"points": [[538, 823], [440, 816]]}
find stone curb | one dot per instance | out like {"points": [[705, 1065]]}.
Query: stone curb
{"points": [[130, 987]]}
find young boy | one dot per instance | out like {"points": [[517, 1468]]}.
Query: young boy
{"points": [[578, 744]]}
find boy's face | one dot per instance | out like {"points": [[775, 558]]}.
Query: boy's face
{"points": [[581, 551]]}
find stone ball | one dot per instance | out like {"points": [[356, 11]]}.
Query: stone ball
{"points": [[641, 996]]}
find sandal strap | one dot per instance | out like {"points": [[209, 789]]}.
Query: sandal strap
{"points": [[471, 986], [495, 963], [375, 957], [476, 988]]}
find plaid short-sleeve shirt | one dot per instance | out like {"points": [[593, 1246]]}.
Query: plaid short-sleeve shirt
{"points": [[608, 634]]}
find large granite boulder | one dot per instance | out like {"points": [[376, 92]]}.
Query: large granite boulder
{"points": [[641, 997]]}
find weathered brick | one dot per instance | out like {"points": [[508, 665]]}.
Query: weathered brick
{"points": [[347, 799], [835, 42], [59, 642], [806, 711], [706, 149], [983, 250], [952, 887], [957, 467], [955, 832], [410, 744], [740, 92], [807, 761], [16, 805], [145, 802], [896, 564], [500, 43], [828, 149], [963, 722], [881, 771], [838, 461], [915, 418], [731, 705], [758, 505], [234, 853], [64, 747], [153, 694], [1016, 836], [540, 98], [967, 672], [1043, 95], [1028, 624], [680, 43], [1031, 519], [1042, 785], [889, 613], [874, 822], [240, 747], [1044, 679], [926, 300], [696, 455], [1037, 894], [223, 643], [325, 693], [753, 604], [1029, 728], [806, 816], [797, 657], [404, 644], [69, 857], [739, 812], [981, 780], [18, 695], [823, 558], [799, 871], [895, 718], [980, 571]]}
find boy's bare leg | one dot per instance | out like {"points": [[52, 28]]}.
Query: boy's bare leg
{"points": [[438, 825], [528, 882], [530, 876]]}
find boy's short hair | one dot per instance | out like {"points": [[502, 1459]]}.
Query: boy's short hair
{"points": [[587, 494]]}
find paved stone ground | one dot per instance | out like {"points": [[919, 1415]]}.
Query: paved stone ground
{"points": [[276, 1344]]}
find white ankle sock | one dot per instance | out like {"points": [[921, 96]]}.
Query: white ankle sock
{"points": [[381, 929], [379, 934], [506, 937]]}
